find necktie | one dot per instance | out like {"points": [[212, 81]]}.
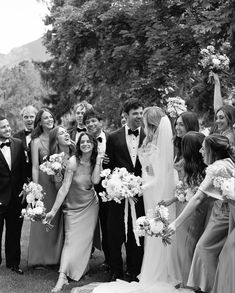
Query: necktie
{"points": [[27, 132], [7, 144], [135, 132], [99, 139], [81, 129]]}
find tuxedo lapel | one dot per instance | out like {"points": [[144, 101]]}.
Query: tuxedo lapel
{"points": [[13, 153], [142, 136], [123, 145], [4, 162]]}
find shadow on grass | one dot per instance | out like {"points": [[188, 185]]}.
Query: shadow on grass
{"points": [[42, 281]]}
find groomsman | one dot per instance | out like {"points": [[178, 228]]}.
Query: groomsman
{"points": [[28, 114], [93, 122], [12, 178], [79, 126], [122, 150]]}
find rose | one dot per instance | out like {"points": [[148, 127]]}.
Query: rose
{"points": [[142, 221], [38, 210], [30, 198], [105, 172], [56, 166], [163, 212], [156, 226]]}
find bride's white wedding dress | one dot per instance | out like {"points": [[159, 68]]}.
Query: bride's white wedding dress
{"points": [[159, 182]]}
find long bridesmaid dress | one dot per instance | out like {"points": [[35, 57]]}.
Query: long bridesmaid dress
{"points": [[45, 247], [80, 217], [225, 275]]}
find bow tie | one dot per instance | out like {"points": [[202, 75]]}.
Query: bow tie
{"points": [[7, 144], [27, 132], [135, 132], [99, 139], [81, 129]]}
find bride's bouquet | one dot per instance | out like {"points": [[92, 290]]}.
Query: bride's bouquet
{"points": [[175, 106], [55, 165], [33, 194], [213, 61], [120, 184], [155, 223]]}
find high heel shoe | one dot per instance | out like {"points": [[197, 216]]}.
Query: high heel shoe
{"points": [[62, 281]]}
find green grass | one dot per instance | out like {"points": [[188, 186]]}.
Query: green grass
{"points": [[42, 281]]}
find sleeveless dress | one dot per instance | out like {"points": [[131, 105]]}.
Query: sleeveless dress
{"points": [[45, 247], [224, 279], [80, 218]]}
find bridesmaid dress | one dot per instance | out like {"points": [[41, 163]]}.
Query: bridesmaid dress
{"points": [[225, 275], [80, 218], [209, 246], [45, 247]]}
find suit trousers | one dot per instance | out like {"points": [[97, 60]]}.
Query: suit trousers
{"points": [[13, 227]]}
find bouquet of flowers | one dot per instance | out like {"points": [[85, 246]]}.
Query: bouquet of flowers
{"points": [[55, 165], [33, 194], [175, 106], [120, 184], [156, 224], [224, 182], [183, 192], [213, 61]]}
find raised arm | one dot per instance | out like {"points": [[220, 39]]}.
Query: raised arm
{"points": [[35, 159], [63, 191], [95, 178], [218, 101]]}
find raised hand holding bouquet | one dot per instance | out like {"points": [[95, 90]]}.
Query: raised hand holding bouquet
{"points": [[175, 106], [155, 223], [55, 165], [122, 185]]}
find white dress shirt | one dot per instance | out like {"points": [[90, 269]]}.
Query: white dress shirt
{"points": [[102, 145], [6, 151], [132, 144]]}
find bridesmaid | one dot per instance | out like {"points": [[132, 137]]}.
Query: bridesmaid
{"points": [[224, 279], [216, 151], [80, 207], [189, 233], [44, 247]]}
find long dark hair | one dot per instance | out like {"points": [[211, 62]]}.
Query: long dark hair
{"points": [[218, 147], [37, 131], [191, 123], [78, 152], [194, 167], [53, 142]]}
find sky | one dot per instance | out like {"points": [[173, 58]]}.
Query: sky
{"points": [[21, 21]]}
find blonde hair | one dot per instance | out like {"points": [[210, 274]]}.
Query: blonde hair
{"points": [[152, 116]]}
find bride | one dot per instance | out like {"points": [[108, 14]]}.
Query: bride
{"points": [[156, 157]]}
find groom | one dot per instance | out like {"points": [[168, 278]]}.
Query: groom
{"points": [[121, 149]]}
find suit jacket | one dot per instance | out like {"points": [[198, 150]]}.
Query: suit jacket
{"points": [[21, 135], [72, 132], [12, 180], [118, 153]]}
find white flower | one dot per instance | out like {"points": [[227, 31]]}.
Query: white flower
{"points": [[38, 210], [142, 221], [164, 212], [56, 166], [30, 198], [23, 212], [156, 226], [105, 172], [228, 188]]}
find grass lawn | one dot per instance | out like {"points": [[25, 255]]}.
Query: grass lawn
{"points": [[42, 281]]}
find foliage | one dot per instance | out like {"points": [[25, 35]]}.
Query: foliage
{"points": [[142, 48]]}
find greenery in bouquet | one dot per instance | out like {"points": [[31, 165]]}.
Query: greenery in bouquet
{"points": [[175, 106], [120, 184], [33, 194], [213, 61], [55, 165], [155, 223]]}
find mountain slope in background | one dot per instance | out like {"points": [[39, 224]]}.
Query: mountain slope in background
{"points": [[31, 51]]}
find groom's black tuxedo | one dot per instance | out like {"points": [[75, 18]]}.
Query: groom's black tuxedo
{"points": [[21, 135], [11, 183], [118, 153]]}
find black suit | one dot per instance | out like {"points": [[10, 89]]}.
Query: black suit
{"points": [[11, 183], [119, 156], [21, 135]]}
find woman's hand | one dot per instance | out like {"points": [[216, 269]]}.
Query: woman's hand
{"points": [[168, 202], [49, 216]]}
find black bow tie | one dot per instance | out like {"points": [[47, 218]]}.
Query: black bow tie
{"points": [[7, 144], [135, 132], [27, 132], [81, 129], [99, 139]]}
